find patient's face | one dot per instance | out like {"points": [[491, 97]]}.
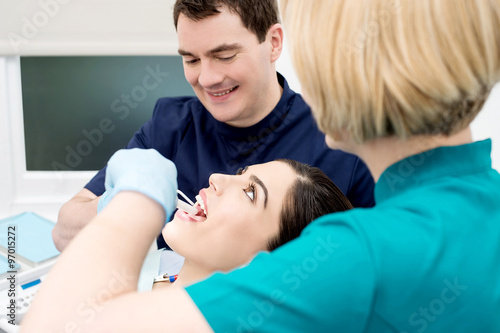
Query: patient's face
{"points": [[243, 213]]}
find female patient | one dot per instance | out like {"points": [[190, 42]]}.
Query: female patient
{"points": [[259, 209]]}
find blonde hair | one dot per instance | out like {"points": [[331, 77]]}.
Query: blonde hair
{"points": [[378, 68]]}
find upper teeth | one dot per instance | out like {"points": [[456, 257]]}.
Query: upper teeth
{"points": [[200, 201], [224, 93]]}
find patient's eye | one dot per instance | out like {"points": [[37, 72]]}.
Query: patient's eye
{"points": [[250, 191]]}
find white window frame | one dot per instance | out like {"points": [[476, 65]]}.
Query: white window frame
{"points": [[42, 192]]}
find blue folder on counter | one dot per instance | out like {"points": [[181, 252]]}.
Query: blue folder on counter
{"points": [[33, 237]]}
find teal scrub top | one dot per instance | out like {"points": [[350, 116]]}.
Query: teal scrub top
{"points": [[426, 258]]}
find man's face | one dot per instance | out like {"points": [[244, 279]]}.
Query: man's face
{"points": [[232, 74]]}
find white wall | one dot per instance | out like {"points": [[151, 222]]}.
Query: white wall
{"points": [[48, 27], [487, 125], [6, 176]]}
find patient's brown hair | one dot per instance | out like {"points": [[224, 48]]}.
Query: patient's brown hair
{"points": [[312, 195]]}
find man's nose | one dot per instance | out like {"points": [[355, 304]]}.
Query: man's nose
{"points": [[210, 76]]}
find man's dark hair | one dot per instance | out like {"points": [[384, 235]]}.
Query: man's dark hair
{"points": [[312, 195], [258, 16]]}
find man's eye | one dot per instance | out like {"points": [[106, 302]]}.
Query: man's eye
{"points": [[191, 62], [250, 191], [227, 58]]}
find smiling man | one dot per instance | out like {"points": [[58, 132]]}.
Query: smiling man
{"points": [[244, 112], [231, 70]]}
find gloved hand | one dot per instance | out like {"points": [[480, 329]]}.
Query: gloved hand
{"points": [[141, 170]]}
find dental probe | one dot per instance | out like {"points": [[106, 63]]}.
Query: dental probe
{"points": [[185, 206], [185, 197]]}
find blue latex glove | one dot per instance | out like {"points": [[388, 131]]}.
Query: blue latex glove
{"points": [[141, 170]]}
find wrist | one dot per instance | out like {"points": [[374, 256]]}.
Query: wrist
{"points": [[131, 207]]}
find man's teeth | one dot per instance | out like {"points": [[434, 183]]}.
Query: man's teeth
{"points": [[224, 93], [199, 201]]}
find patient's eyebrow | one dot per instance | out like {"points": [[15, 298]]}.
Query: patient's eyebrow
{"points": [[218, 49], [259, 182]]}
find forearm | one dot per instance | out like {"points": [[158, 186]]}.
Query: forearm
{"points": [[102, 263], [73, 216]]}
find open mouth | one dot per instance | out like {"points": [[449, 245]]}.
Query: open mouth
{"points": [[200, 207], [200, 216]]}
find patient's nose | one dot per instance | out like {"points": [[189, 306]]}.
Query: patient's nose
{"points": [[219, 182]]}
